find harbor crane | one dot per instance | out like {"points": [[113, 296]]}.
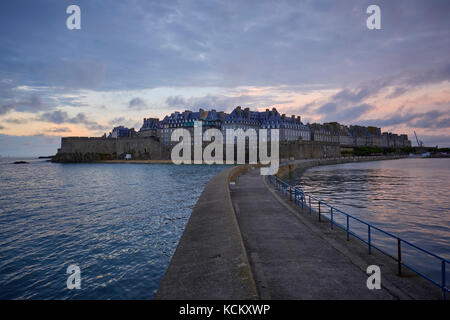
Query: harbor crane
{"points": [[419, 142]]}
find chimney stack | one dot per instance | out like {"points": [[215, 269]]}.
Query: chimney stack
{"points": [[247, 113]]}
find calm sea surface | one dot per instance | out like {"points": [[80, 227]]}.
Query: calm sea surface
{"points": [[409, 198], [120, 223]]}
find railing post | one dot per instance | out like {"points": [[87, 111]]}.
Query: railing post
{"points": [[348, 233], [319, 210], [309, 204], [444, 290], [290, 193], [331, 216], [295, 196], [399, 256], [368, 239]]}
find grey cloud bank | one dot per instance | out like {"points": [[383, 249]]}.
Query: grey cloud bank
{"points": [[222, 102], [142, 44], [60, 117], [432, 119], [137, 103]]}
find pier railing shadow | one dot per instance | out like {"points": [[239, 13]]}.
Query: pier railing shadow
{"points": [[398, 248]]}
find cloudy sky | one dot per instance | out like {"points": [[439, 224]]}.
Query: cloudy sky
{"points": [[134, 59]]}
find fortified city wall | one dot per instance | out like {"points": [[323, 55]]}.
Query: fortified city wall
{"points": [[82, 149]]}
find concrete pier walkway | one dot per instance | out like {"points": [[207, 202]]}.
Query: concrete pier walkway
{"points": [[294, 257]]}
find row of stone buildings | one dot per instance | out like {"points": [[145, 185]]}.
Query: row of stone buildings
{"points": [[351, 136], [290, 128]]}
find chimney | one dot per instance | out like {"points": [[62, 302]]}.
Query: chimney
{"points": [[247, 113], [267, 113], [238, 111], [299, 119]]}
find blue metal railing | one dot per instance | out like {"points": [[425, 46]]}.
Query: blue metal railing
{"points": [[304, 200]]}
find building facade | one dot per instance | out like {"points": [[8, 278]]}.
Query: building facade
{"points": [[149, 127], [121, 132], [290, 128]]}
